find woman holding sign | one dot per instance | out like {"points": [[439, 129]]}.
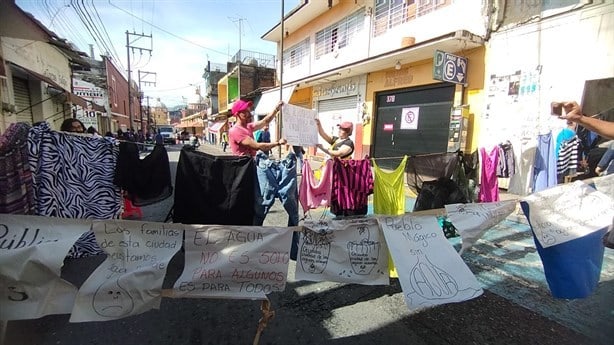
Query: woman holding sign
{"points": [[341, 146]]}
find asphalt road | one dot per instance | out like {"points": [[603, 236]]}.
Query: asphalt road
{"points": [[329, 313]]}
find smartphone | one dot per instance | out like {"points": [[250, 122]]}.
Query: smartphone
{"points": [[556, 108]]}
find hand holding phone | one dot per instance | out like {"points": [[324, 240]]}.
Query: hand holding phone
{"points": [[556, 108]]}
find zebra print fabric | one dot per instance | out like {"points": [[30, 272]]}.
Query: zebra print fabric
{"points": [[73, 178]]}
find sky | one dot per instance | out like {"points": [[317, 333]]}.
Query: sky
{"points": [[185, 35]]}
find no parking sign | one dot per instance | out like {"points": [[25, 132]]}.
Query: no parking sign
{"points": [[409, 118]]}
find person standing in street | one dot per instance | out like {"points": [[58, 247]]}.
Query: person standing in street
{"points": [[264, 136], [241, 135]]}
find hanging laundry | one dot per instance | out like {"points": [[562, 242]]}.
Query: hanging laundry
{"points": [[352, 185], [521, 182], [388, 190], [73, 178], [213, 189], [544, 173], [146, 181], [567, 158], [276, 179], [313, 193], [506, 166], [489, 186], [430, 167], [16, 189]]}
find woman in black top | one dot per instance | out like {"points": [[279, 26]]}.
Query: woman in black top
{"points": [[341, 146]]}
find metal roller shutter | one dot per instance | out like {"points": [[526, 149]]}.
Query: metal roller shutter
{"points": [[22, 100], [337, 104]]}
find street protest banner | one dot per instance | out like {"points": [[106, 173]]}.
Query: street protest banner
{"points": [[32, 250], [567, 212], [430, 271], [234, 261], [129, 281], [345, 251], [299, 125], [472, 220]]}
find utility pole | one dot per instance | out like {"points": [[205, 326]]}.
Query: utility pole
{"points": [[240, 20], [146, 82], [140, 49]]}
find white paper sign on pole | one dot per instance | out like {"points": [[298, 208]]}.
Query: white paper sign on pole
{"points": [[239, 262], [129, 281], [409, 118], [568, 212], [430, 271], [345, 251], [299, 125], [32, 251], [472, 220]]}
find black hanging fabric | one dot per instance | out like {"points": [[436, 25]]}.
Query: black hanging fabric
{"points": [[146, 180], [430, 167], [438, 193], [214, 189]]}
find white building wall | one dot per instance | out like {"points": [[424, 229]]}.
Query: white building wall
{"points": [[554, 57], [459, 15], [38, 57]]}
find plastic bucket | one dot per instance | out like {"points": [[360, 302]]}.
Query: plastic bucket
{"points": [[572, 268]]}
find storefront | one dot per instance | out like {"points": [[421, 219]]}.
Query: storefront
{"points": [[341, 101]]}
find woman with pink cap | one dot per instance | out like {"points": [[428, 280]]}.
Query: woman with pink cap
{"points": [[241, 135], [341, 146]]}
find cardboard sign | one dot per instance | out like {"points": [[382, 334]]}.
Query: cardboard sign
{"points": [[32, 251], [567, 212], [345, 251], [234, 261], [299, 125], [430, 271], [472, 220], [129, 281]]}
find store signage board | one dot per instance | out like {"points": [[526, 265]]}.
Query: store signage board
{"points": [[449, 67]]}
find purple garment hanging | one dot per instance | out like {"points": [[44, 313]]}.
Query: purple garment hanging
{"points": [[489, 186]]}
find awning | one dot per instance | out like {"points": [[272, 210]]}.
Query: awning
{"points": [[71, 97], [270, 98], [216, 126]]}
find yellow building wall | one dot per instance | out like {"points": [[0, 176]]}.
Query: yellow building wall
{"points": [[421, 73], [302, 97]]}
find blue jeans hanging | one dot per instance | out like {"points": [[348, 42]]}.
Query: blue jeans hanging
{"points": [[277, 179]]}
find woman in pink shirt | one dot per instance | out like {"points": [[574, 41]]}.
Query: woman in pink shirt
{"points": [[241, 135]]}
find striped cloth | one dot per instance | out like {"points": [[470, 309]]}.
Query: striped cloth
{"points": [[352, 185], [568, 155]]}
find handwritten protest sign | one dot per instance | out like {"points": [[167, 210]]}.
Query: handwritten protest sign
{"points": [[472, 220], [234, 261], [129, 281], [605, 184], [299, 125], [345, 251], [568, 212], [430, 271], [32, 250]]}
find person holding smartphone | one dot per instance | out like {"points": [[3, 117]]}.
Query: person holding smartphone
{"points": [[573, 112]]}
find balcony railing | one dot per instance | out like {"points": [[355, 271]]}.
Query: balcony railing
{"points": [[248, 57]]}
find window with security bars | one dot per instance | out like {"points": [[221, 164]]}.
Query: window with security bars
{"points": [[340, 34], [294, 56], [391, 13]]}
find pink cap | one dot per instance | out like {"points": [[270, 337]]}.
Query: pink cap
{"points": [[240, 105], [347, 125]]}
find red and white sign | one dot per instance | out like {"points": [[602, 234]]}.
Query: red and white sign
{"points": [[388, 127]]}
